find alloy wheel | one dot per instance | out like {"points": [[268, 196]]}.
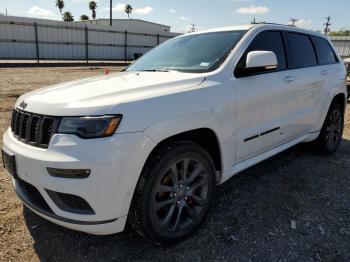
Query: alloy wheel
{"points": [[180, 194], [334, 129]]}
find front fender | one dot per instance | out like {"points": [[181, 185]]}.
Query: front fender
{"points": [[207, 119]]}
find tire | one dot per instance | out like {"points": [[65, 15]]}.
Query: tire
{"points": [[159, 198], [332, 131]]}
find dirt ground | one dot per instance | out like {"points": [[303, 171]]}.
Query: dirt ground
{"points": [[293, 207]]}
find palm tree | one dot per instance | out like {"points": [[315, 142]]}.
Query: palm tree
{"points": [[84, 17], [93, 6], [60, 5], [128, 9], [68, 17]]}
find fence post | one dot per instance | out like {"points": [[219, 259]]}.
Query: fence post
{"points": [[86, 45], [125, 45], [36, 41], [158, 39]]}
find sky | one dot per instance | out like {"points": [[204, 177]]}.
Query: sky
{"points": [[205, 14]]}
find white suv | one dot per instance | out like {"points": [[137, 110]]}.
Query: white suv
{"points": [[149, 145]]}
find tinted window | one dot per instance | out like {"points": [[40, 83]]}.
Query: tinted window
{"points": [[302, 52], [190, 53], [324, 52], [267, 41]]}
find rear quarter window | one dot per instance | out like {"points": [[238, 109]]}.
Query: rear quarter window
{"points": [[301, 50], [324, 51]]}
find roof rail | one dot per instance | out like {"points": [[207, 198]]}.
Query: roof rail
{"points": [[266, 23]]}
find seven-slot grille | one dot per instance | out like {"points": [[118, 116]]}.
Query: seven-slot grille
{"points": [[33, 129]]}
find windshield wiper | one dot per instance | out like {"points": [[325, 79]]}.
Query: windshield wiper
{"points": [[158, 70]]}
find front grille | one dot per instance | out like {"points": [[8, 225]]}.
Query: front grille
{"points": [[34, 196], [33, 129]]}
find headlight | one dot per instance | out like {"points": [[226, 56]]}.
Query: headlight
{"points": [[90, 127]]}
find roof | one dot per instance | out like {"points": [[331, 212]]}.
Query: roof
{"points": [[125, 20], [226, 28], [262, 25]]}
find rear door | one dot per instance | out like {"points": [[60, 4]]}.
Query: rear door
{"points": [[306, 83], [330, 71]]}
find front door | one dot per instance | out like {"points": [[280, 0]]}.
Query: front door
{"points": [[264, 104]]}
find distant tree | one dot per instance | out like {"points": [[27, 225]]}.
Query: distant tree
{"points": [[93, 6], [128, 10], [84, 17], [68, 17], [341, 32], [60, 5]]}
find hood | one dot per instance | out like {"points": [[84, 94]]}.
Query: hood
{"points": [[96, 95]]}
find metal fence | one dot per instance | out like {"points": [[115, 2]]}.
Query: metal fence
{"points": [[72, 41]]}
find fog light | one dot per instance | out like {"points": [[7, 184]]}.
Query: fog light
{"points": [[69, 173]]}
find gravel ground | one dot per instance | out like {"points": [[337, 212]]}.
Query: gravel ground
{"points": [[293, 207]]}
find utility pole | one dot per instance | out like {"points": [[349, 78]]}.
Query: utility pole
{"points": [[193, 28], [254, 21], [327, 24], [6, 11], [293, 20], [110, 12]]}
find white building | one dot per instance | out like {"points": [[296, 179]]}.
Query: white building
{"points": [[32, 38], [132, 25], [342, 44]]}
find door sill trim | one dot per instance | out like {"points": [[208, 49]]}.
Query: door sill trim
{"points": [[238, 167]]}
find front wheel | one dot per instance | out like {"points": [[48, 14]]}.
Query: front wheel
{"points": [[174, 193], [332, 131]]}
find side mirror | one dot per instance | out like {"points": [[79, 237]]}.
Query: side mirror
{"points": [[260, 61]]}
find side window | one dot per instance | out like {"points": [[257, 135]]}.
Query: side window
{"points": [[302, 52], [267, 41], [324, 52]]}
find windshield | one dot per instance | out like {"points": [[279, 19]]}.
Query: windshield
{"points": [[190, 53]]}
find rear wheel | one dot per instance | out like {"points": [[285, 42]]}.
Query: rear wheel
{"points": [[332, 130], [174, 193]]}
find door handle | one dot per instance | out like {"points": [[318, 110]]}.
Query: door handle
{"points": [[324, 72], [289, 79]]}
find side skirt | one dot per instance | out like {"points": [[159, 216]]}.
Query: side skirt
{"points": [[263, 156]]}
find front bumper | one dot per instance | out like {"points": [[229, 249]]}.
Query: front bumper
{"points": [[115, 163]]}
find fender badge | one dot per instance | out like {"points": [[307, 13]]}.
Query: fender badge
{"points": [[23, 105]]}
